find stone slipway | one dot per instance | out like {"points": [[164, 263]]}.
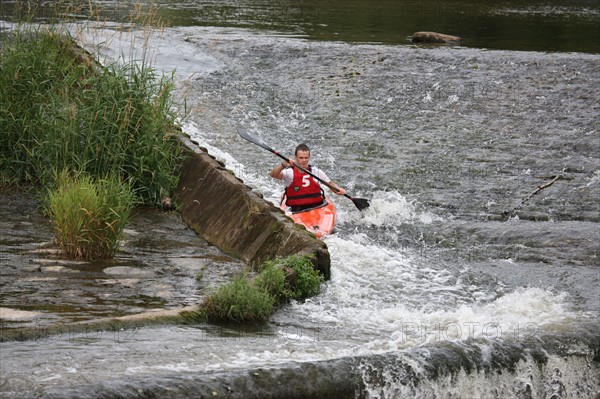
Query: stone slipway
{"points": [[227, 213]]}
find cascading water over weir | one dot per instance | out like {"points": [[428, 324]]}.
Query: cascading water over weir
{"points": [[459, 281]]}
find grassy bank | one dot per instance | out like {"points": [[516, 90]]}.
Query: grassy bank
{"points": [[61, 111]]}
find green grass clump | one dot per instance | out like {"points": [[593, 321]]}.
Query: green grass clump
{"points": [[248, 300], [308, 280], [272, 279], [239, 301], [89, 215], [59, 112]]}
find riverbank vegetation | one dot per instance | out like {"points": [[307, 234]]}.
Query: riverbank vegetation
{"points": [[89, 215], [61, 112], [248, 299]]}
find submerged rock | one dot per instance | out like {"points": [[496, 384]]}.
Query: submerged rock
{"points": [[434, 37]]}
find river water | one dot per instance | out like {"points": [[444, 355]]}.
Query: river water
{"points": [[474, 254]]}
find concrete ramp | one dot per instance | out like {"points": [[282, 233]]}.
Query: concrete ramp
{"points": [[227, 213]]}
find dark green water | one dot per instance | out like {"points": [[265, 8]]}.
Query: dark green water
{"points": [[572, 26]]}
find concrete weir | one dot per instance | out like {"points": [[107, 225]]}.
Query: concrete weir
{"points": [[227, 213], [553, 365]]}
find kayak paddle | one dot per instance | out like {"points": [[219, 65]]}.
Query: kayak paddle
{"points": [[360, 203]]}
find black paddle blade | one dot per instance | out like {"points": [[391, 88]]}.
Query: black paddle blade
{"points": [[361, 203], [247, 136]]}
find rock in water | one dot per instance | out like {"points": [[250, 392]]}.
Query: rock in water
{"points": [[434, 37]]}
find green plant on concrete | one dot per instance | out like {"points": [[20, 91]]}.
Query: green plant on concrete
{"points": [[239, 301], [272, 279], [58, 112], [308, 280], [255, 299], [89, 215]]}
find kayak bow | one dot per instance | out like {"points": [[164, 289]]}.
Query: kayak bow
{"points": [[319, 220]]}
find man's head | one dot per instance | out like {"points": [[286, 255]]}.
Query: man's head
{"points": [[302, 155], [302, 147]]}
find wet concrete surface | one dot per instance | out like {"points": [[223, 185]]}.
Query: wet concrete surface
{"points": [[161, 264]]}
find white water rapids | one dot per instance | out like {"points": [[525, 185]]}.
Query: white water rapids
{"points": [[382, 299], [385, 293]]}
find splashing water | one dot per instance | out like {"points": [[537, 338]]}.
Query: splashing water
{"points": [[392, 300]]}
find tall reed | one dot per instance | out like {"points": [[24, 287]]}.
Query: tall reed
{"points": [[57, 112], [89, 214]]}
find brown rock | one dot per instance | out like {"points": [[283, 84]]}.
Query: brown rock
{"points": [[291, 277], [167, 204], [434, 37]]}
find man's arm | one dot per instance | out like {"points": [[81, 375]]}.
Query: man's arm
{"points": [[321, 175], [339, 190], [277, 172]]}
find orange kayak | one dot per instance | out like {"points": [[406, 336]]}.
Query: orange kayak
{"points": [[320, 220]]}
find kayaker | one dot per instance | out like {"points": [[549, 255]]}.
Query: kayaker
{"points": [[302, 191]]}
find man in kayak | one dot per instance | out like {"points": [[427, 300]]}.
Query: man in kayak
{"points": [[302, 191]]}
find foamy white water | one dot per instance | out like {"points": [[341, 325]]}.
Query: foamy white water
{"points": [[382, 299], [392, 300]]}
